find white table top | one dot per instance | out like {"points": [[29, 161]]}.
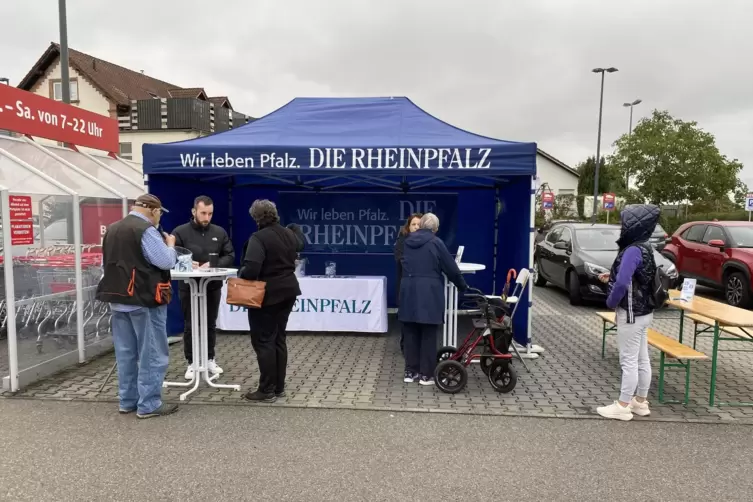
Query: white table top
{"points": [[203, 272], [471, 267]]}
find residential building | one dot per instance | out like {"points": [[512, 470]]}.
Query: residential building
{"points": [[148, 110], [560, 177]]}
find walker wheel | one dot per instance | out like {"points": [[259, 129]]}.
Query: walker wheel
{"points": [[445, 353], [450, 377], [502, 376], [486, 363]]}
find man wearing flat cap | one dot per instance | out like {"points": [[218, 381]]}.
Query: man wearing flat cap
{"points": [[136, 283]]}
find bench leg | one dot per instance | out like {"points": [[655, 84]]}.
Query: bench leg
{"points": [[687, 382], [661, 378], [695, 333], [682, 324], [603, 339]]}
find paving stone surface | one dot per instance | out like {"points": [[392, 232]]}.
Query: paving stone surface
{"points": [[365, 372]]}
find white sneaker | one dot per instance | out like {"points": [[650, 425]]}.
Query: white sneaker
{"points": [[638, 408], [213, 368], [189, 373], [616, 411]]}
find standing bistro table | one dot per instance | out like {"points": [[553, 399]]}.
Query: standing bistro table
{"points": [[722, 315], [450, 328], [199, 331]]}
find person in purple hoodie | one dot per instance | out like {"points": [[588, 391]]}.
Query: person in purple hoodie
{"points": [[630, 294]]}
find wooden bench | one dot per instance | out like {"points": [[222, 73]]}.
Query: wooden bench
{"points": [[666, 345], [698, 319], [676, 350]]}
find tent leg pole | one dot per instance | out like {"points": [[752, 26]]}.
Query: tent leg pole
{"points": [[496, 239], [532, 351]]}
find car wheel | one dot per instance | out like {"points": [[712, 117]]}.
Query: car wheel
{"points": [[737, 290], [573, 288], [538, 279]]}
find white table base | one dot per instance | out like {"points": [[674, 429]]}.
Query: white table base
{"points": [[450, 328], [200, 339]]}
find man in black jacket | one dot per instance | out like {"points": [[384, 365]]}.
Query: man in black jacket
{"points": [[211, 247]]}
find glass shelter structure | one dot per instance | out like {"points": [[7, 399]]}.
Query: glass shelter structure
{"points": [[55, 205]]}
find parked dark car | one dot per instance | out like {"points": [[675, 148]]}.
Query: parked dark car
{"points": [[573, 255], [547, 227], [717, 254]]}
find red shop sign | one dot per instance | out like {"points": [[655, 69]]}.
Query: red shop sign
{"points": [[96, 218], [20, 207], [21, 233], [28, 113]]}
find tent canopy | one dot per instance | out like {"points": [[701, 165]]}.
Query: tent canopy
{"points": [[361, 139], [371, 146]]}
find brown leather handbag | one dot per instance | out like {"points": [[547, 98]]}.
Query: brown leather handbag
{"points": [[245, 293]]}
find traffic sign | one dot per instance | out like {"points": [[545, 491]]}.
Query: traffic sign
{"points": [[547, 200], [749, 202], [608, 201]]}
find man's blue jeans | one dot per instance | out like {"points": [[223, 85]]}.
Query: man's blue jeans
{"points": [[142, 352]]}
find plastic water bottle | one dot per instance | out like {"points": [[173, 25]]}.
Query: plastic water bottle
{"points": [[330, 269]]}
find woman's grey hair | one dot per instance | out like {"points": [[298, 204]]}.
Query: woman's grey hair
{"points": [[429, 221], [264, 212]]}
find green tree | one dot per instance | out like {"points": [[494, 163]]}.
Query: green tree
{"points": [[741, 190], [609, 180], [671, 160]]}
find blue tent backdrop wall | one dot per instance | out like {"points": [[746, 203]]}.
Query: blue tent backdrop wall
{"points": [[373, 158]]}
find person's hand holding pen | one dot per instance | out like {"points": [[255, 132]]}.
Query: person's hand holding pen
{"points": [[169, 239]]}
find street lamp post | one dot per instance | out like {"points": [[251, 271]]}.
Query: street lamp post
{"points": [[65, 82], [630, 133], [598, 140]]}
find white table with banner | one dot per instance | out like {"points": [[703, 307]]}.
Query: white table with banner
{"points": [[356, 304]]}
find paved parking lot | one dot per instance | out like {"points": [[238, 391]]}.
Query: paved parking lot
{"points": [[365, 372]]}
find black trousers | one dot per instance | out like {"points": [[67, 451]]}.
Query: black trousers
{"points": [[213, 307], [421, 347], [269, 340]]}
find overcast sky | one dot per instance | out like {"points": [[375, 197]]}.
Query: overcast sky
{"points": [[517, 70]]}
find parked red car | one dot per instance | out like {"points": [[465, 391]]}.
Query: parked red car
{"points": [[718, 254]]}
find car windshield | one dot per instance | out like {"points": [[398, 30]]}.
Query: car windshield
{"points": [[598, 239], [659, 230], [741, 236]]}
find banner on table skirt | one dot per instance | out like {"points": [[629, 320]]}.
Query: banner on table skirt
{"points": [[367, 222], [352, 304]]}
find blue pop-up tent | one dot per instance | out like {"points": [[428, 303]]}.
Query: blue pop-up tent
{"points": [[377, 159]]}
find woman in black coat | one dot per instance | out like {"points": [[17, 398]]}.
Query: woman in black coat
{"points": [[422, 304], [411, 225], [269, 256]]}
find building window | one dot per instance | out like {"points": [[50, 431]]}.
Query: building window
{"points": [[126, 151], [566, 191], [57, 90]]}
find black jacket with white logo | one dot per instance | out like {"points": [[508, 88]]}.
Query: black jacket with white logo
{"points": [[204, 242]]}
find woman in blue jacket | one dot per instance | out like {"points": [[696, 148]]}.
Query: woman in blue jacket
{"points": [[421, 305]]}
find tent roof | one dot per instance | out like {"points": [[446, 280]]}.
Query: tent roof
{"points": [[353, 125]]}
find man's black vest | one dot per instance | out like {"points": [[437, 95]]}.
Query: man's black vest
{"points": [[640, 300], [128, 277]]}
